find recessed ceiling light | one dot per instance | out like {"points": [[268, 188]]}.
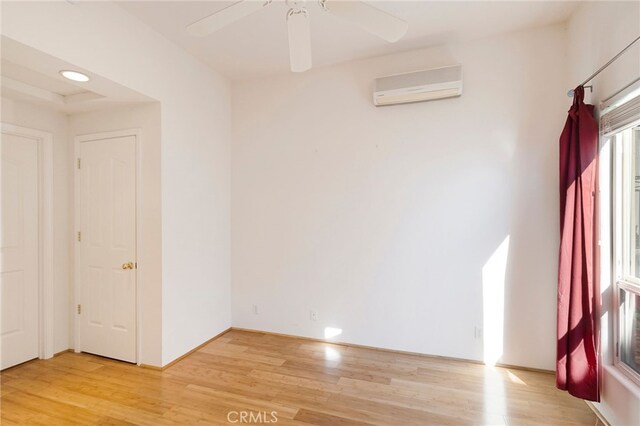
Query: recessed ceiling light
{"points": [[74, 75]]}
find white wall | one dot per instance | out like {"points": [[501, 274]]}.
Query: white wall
{"points": [[383, 219], [195, 148], [145, 117], [35, 117], [596, 32]]}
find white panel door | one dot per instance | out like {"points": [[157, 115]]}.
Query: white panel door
{"points": [[107, 248], [19, 246]]}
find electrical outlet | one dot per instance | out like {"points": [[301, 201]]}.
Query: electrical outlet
{"points": [[313, 315], [255, 309], [477, 332]]}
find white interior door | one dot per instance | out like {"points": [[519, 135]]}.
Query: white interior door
{"points": [[107, 247], [19, 246]]}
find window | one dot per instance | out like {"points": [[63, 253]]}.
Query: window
{"points": [[626, 211], [620, 127]]}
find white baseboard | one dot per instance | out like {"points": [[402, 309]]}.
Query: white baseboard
{"points": [[601, 418]]}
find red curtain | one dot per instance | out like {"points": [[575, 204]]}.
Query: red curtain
{"points": [[577, 362]]}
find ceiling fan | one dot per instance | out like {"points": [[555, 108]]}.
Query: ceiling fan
{"points": [[369, 18]]}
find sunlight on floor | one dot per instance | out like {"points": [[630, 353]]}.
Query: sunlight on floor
{"points": [[494, 398], [515, 379], [331, 354]]}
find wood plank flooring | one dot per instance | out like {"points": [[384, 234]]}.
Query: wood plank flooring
{"points": [[298, 382]]}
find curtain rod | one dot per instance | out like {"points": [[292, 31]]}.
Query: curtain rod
{"points": [[612, 60]]}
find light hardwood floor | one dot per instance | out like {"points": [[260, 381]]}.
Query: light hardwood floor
{"points": [[303, 382]]}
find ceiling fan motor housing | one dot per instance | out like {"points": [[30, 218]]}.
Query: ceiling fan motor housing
{"points": [[296, 4], [368, 17]]}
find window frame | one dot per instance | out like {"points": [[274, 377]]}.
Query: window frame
{"points": [[622, 279]]}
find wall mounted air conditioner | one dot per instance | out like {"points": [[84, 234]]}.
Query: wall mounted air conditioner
{"points": [[427, 85]]}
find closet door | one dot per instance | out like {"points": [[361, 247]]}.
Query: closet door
{"points": [[107, 247], [19, 248]]}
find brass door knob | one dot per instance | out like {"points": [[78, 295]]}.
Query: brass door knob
{"points": [[128, 265]]}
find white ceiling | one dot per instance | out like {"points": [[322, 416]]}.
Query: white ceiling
{"points": [[257, 45], [29, 75], [55, 84]]}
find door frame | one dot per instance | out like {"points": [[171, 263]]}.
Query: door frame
{"points": [[137, 134], [44, 142]]}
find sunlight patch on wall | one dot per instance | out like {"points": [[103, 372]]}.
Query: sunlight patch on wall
{"points": [[493, 283], [331, 332]]}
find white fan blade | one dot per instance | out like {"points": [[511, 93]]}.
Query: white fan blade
{"points": [[369, 18], [299, 40], [227, 16]]}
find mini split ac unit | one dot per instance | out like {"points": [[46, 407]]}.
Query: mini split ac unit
{"points": [[427, 85]]}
